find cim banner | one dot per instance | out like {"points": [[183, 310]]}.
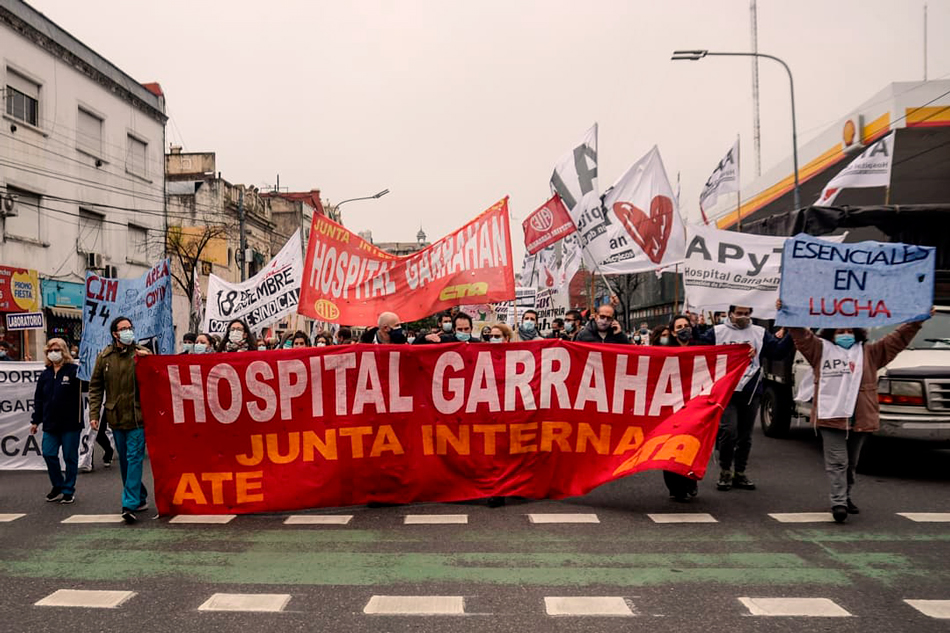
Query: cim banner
{"points": [[146, 301], [265, 298], [348, 280], [865, 284], [276, 431]]}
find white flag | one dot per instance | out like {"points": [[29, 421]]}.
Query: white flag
{"points": [[871, 169], [725, 178], [640, 227], [575, 180]]}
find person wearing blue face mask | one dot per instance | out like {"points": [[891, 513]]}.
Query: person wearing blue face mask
{"points": [[462, 324], [528, 330], [845, 405], [114, 384], [188, 343], [204, 344]]}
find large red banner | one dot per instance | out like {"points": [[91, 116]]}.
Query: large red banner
{"points": [[291, 429], [348, 280]]}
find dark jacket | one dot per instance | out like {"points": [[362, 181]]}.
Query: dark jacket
{"points": [[590, 334], [113, 382], [57, 403], [369, 336], [443, 338]]}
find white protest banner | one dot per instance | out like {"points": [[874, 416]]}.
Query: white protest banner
{"points": [[525, 299], [642, 229], [146, 301], [550, 304], [263, 299], [871, 169], [725, 178], [18, 449], [575, 181]]}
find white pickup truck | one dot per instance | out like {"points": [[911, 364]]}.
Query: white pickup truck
{"points": [[913, 390]]}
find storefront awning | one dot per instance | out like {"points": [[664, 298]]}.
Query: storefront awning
{"points": [[66, 313]]}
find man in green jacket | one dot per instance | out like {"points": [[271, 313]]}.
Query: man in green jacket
{"points": [[113, 380]]}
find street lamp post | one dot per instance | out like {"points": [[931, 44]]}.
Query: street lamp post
{"points": [[375, 196], [699, 54]]}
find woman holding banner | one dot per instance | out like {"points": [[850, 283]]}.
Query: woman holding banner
{"points": [[57, 405], [846, 406], [681, 488]]}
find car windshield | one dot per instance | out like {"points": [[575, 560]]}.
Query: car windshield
{"points": [[934, 335]]}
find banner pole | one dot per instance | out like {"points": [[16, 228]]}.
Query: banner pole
{"points": [[738, 186]]}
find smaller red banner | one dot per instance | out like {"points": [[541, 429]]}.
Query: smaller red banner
{"points": [[547, 224]]}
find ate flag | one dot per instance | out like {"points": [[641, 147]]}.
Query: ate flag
{"points": [[291, 429], [547, 224], [348, 280]]}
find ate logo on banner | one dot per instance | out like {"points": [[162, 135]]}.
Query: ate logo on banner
{"points": [[543, 220], [650, 232]]}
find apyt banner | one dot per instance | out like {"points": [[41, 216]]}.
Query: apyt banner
{"points": [[276, 431], [265, 298], [864, 284], [348, 280]]}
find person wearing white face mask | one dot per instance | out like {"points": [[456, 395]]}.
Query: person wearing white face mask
{"points": [[57, 406], [114, 384], [528, 330], [846, 410], [734, 441], [237, 338]]}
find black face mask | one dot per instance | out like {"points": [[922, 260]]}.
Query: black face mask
{"points": [[397, 336], [685, 334]]}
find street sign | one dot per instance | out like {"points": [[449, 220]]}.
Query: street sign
{"points": [[25, 321]]}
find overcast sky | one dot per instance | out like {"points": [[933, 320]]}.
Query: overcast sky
{"points": [[453, 105]]}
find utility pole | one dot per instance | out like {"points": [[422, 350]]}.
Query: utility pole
{"points": [[243, 238]]}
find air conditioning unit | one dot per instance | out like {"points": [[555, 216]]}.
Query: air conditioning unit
{"points": [[94, 261], [8, 205], [111, 271]]}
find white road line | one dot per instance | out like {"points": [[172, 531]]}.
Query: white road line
{"points": [[587, 606], [86, 598], [261, 602], [318, 519], [435, 519], [682, 517], [799, 607], [926, 517], [563, 518], [933, 608], [211, 519], [93, 518], [6, 518], [415, 605], [803, 517]]}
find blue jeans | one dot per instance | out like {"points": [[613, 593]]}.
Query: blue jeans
{"points": [[131, 448], [69, 442]]}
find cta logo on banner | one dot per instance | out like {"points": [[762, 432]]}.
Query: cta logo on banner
{"points": [[270, 432], [263, 299], [146, 301], [854, 285], [348, 280], [547, 224]]}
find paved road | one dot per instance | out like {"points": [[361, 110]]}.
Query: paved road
{"points": [[499, 570]]}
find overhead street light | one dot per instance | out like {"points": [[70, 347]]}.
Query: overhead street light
{"points": [[375, 196], [696, 55]]}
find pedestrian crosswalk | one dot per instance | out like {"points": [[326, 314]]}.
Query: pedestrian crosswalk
{"points": [[339, 520], [581, 606]]}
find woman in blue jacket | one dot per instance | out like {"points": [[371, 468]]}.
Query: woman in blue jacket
{"points": [[57, 405]]}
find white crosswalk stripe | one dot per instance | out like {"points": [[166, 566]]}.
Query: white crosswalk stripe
{"points": [[939, 609], [682, 517], [926, 517], [799, 607], [258, 602], [563, 518], [199, 519], [436, 519], [587, 606], [415, 605], [318, 519], [803, 517], [6, 518], [85, 598], [93, 518]]}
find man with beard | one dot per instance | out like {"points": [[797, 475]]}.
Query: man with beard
{"points": [[603, 329]]}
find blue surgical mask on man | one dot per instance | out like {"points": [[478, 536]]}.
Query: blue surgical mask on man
{"points": [[127, 337], [465, 337], [447, 327], [568, 326], [845, 340], [528, 325], [188, 348]]}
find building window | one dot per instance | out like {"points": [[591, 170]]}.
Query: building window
{"points": [[90, 231], [135, 156], [206, 268], [23, 98], [138, 244], [26, 223], [89, 133]]}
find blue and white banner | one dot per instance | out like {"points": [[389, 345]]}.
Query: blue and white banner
{"points": [[146, 301], [865, 284]]}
